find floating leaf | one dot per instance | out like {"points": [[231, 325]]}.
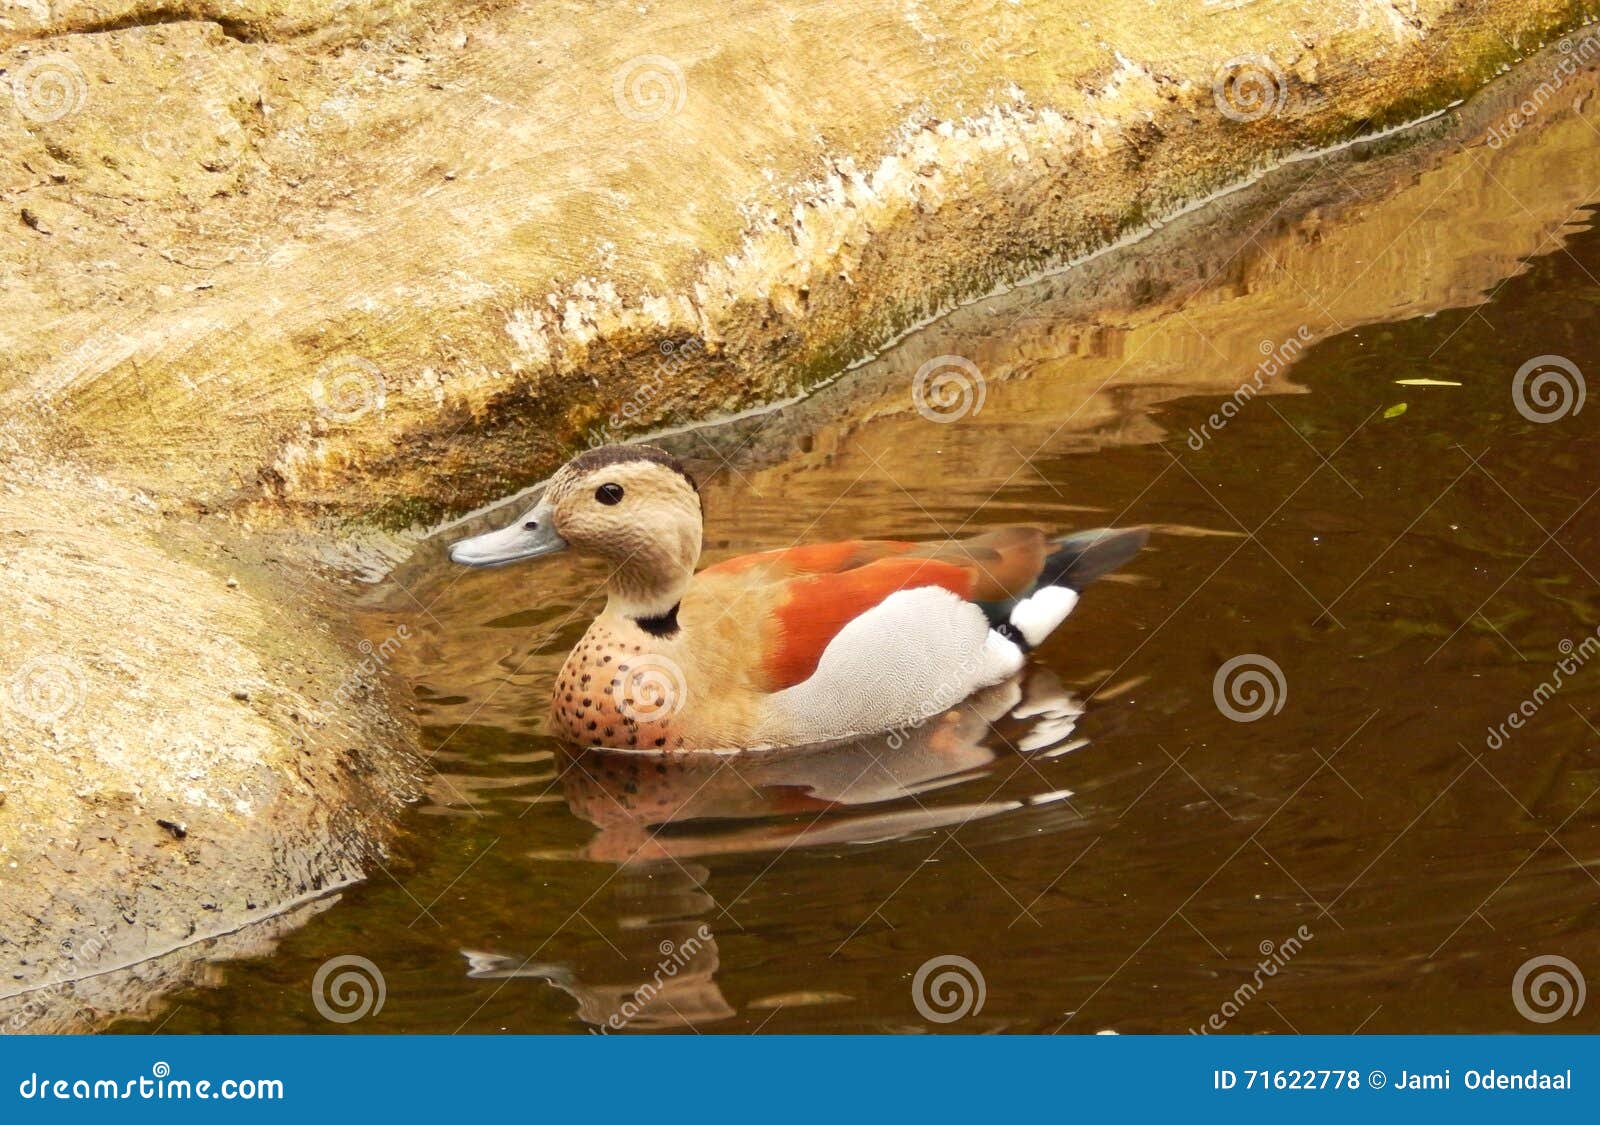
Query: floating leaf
{"points": [[1395, 411], [800, 999], [1426, 383]]}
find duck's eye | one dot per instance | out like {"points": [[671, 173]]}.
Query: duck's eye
{"points": [[609, 494]]}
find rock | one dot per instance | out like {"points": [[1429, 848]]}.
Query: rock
{"points": [[123, 645], [954, 146]]}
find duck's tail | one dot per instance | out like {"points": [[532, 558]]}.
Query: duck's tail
{"points": [[1078, 560]]}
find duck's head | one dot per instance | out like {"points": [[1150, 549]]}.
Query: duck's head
{"points": [[635, 506]]}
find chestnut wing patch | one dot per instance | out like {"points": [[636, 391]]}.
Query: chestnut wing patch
{"points": [[814, 608], [814, 558]]}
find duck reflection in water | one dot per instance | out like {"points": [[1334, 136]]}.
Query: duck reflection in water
{"points": [[657, 816], [648, 806], [677, 958]]}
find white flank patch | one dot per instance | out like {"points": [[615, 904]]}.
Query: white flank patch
{"points": [[911, 657], [1037, 615]]}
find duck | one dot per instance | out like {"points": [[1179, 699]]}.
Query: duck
{"points": [[796, 646]]}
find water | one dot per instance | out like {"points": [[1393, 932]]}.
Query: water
{"points": [[1369, 852]]}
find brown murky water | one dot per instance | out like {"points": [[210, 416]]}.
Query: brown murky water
{"points": [[1402, 565]]}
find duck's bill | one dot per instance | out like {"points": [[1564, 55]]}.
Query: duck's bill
{"points": [[531, 537]]}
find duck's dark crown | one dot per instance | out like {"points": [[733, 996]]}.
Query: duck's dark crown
{"points": [[606, 455]]}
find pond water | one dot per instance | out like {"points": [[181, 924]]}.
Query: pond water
{"points": [[1392, 554]]}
